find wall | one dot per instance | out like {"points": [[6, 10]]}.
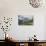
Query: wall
{"points": [[7, 8], [12, 8]]}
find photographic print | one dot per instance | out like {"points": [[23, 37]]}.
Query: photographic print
{"points": [[25, 20]]}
